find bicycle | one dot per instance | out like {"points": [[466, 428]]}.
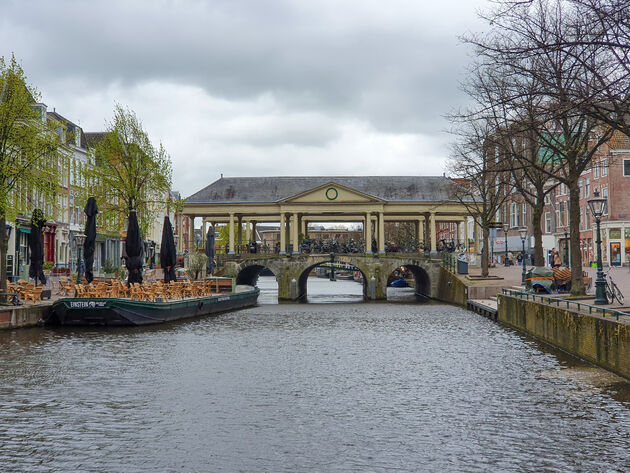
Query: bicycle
{"points": [[612, 290]]}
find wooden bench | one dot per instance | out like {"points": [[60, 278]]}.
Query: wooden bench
{"points": [[221, 284]]}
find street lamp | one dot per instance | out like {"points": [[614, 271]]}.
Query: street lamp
{"points": [[523, 232], [506, 227], [598, 208], [79, 239]]}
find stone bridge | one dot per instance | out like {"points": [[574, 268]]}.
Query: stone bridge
{"points": [[292, 272]]}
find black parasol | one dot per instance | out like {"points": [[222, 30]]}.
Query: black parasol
{"points": [[35, 246], [90, 237], [133, 247], [210, 251], [168, 252]]}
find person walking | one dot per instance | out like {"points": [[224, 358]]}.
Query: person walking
{"points": [[557, 260]]}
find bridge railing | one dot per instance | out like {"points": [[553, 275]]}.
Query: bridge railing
{"points": [[558, 301], [449, 261]]}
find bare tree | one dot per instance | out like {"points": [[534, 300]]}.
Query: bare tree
{"points": [[476, 164], [540, 83]]}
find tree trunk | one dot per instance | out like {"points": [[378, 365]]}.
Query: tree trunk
{"points": [[577, 281], [485, 252], [539, 257], [3, 255]]}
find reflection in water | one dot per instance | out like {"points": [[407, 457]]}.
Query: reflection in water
{"points": [[306, 387]]}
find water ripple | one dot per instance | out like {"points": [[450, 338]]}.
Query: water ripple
{"points": [[285, 388]]}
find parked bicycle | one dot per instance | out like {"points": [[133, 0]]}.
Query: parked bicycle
{"points": [[612, 290]]}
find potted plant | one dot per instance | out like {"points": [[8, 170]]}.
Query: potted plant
{"points": [[47, 267]]}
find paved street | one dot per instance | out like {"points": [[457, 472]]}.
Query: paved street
{"points": [[512, 277]]}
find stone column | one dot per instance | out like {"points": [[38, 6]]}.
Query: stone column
{"points": [[181, 244], [191, 233], [303, 227], [254, 231], [419, 233], [248, 234], [367, 230], [432, 233], [283, 235], [239, 232], [294, 233], [458, 237], [466, 235], [231, 242], [381, 233]]}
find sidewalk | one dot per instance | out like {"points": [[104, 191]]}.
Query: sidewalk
{"points": [[512, 277]]}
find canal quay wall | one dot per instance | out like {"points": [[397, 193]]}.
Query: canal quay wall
{"points": [[602, 341], [23, 316]]}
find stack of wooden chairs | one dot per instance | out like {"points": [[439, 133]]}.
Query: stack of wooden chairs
{"points": [[154, 291], [26, 291]]}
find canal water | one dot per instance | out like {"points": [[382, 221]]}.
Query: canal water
{"points": [[328, 387]]}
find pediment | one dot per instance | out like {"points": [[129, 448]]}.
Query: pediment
{"points": [[332, 193]]}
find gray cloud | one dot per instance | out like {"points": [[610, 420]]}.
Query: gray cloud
{"points": [[268, 76]]}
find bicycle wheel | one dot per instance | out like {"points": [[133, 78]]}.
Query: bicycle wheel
{"points": [[610, 297], [616, 292]]}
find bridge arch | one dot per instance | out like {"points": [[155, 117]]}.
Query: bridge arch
{"points": [[302, 280], [422, 280], [248, 271]]}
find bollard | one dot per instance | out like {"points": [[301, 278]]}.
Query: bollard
{"points": [[372, 289], [294, 290]]}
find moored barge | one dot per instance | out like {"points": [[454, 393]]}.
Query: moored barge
{"points": [[110, 311]]}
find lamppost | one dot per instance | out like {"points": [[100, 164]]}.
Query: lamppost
{"points": [[523, 232], [506, 227], [79, 239], [598, 205]]}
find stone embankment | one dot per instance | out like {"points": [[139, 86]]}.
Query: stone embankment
{"points": [[23, 316], [580, 329]]}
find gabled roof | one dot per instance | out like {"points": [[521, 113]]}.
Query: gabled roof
{"points": [[92, 138], [274, 189], [619, 141]]}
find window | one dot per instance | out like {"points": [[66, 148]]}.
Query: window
{"points": [[587, 188], [514, 215], [561, 214], [581, 218], [604, 166], [626, 167], [580, 187], [605, 195], [596, 171], [547, 222], [524, 213]]}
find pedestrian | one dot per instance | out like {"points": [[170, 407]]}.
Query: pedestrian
{"points": [[557, 261]]}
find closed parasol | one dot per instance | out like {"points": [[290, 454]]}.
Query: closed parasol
{"points": [[168, 252], [90, 237], [133, 247], [36, 249], [210, 250]]}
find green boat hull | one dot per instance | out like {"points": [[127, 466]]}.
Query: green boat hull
{"points": [[125, 312]]}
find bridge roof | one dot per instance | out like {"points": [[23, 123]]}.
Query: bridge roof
{"points": [[274, 189]]}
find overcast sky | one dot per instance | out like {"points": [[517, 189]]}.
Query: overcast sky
{"points": [[255, 87]]}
